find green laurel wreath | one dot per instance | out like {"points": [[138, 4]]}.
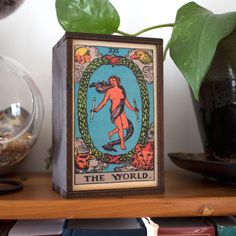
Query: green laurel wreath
{"points": [[82, 109]]}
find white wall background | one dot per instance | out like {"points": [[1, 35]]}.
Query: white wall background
{"points": [[29, 34]]}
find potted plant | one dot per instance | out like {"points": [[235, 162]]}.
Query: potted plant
{"points": [[203, 47]]}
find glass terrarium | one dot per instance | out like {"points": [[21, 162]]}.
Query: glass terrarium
{"points": [[7, 7], [21, 114]]}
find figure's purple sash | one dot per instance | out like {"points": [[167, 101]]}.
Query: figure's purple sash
{"points": [[118, 110]]}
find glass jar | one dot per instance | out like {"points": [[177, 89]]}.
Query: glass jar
{"points": [[21, 114]]}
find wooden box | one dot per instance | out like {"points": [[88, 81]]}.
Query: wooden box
{"points": [[107, 115]]}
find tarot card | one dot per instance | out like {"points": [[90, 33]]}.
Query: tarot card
{"points": [[117, 122]]}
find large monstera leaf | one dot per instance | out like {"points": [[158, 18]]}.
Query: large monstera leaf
{"points": [[195, 36], [88, 16]]}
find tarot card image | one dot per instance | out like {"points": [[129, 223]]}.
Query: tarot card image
{"points": [[115, 104]]}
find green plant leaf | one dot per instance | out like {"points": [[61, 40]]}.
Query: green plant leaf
{"points": [[88, 16], [195, 36]]}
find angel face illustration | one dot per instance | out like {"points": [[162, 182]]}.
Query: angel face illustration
{"points": [[82, 55]]}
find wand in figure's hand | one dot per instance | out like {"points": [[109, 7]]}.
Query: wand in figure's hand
{"points": [[92, 110], [136, 109]]}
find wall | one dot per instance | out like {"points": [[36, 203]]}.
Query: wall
{"points": [[29, 34]]}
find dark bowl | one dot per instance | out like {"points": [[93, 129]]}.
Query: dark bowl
{"points": [[206, 165]]}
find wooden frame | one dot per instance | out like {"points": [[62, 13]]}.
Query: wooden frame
{"points": [[113, 113]]}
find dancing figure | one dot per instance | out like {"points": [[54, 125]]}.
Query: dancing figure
{"points": [[115, 93]]}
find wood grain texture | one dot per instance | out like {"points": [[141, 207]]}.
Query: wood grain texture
{"points": [[186, 194]]}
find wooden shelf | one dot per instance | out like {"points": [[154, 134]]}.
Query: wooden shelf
{"points": [[186, 194]]}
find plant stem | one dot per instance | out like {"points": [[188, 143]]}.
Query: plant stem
{"points": [[145, 30], [153, 27], [123, 33]]}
